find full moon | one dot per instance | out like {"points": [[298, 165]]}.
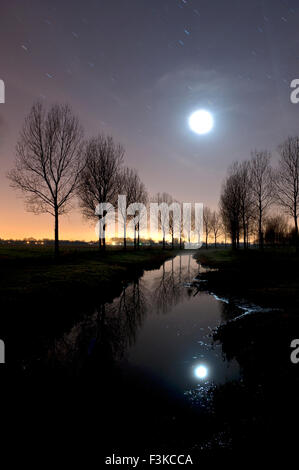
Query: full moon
{"points": [[201, 121], [201, 372]]}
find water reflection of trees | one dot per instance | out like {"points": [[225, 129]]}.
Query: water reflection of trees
{"points": [[105, 335], [170, 287], [121, 319]]}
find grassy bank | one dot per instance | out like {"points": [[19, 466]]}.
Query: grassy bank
{"points": [[34, 272], [42, 298], [269, 278], [41, 295]]}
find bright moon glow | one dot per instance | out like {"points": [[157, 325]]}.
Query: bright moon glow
{"points": [[201, 121], [201, 372]]}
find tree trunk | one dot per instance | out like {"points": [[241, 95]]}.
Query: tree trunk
{"points": [[261, 238], [234, 240], [244, 235], [104, 232], [56, 242], [100, 235], [138, 236], [125, 234], [296, 233], [104, 237]]}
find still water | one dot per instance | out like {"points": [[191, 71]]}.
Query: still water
{"points": [[150, 362], [174, 343], [158, 329], [154, 380]]}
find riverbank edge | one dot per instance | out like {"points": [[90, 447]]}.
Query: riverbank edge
{"points": [[249, 276], [53, 294]]}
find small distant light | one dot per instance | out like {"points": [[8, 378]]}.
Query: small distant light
{"points": [[201, 372]]}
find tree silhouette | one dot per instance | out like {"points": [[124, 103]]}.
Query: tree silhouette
{"points": [[49, 161]]}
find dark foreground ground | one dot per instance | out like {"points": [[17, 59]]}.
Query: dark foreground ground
{"points": [[261, 409], [268, 278], [95, 415], [52, 414], [41, 297]]}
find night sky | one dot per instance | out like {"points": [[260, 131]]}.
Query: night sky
{"points": [[136, 69]]}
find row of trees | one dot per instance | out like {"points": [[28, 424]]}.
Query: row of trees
{"points": [[54, 164], [253, 187], [103, 179]]}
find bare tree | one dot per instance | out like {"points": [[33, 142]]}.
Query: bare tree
{"points": [[287, 180], [127, 178], [181, 227], [276, 229], [99, 181], [175, 219], [163, 200], [262, 187], [242, 175], [216, 226], [230, 207], [140, 196], [48, 161], [176, 223], [207, 219]]}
